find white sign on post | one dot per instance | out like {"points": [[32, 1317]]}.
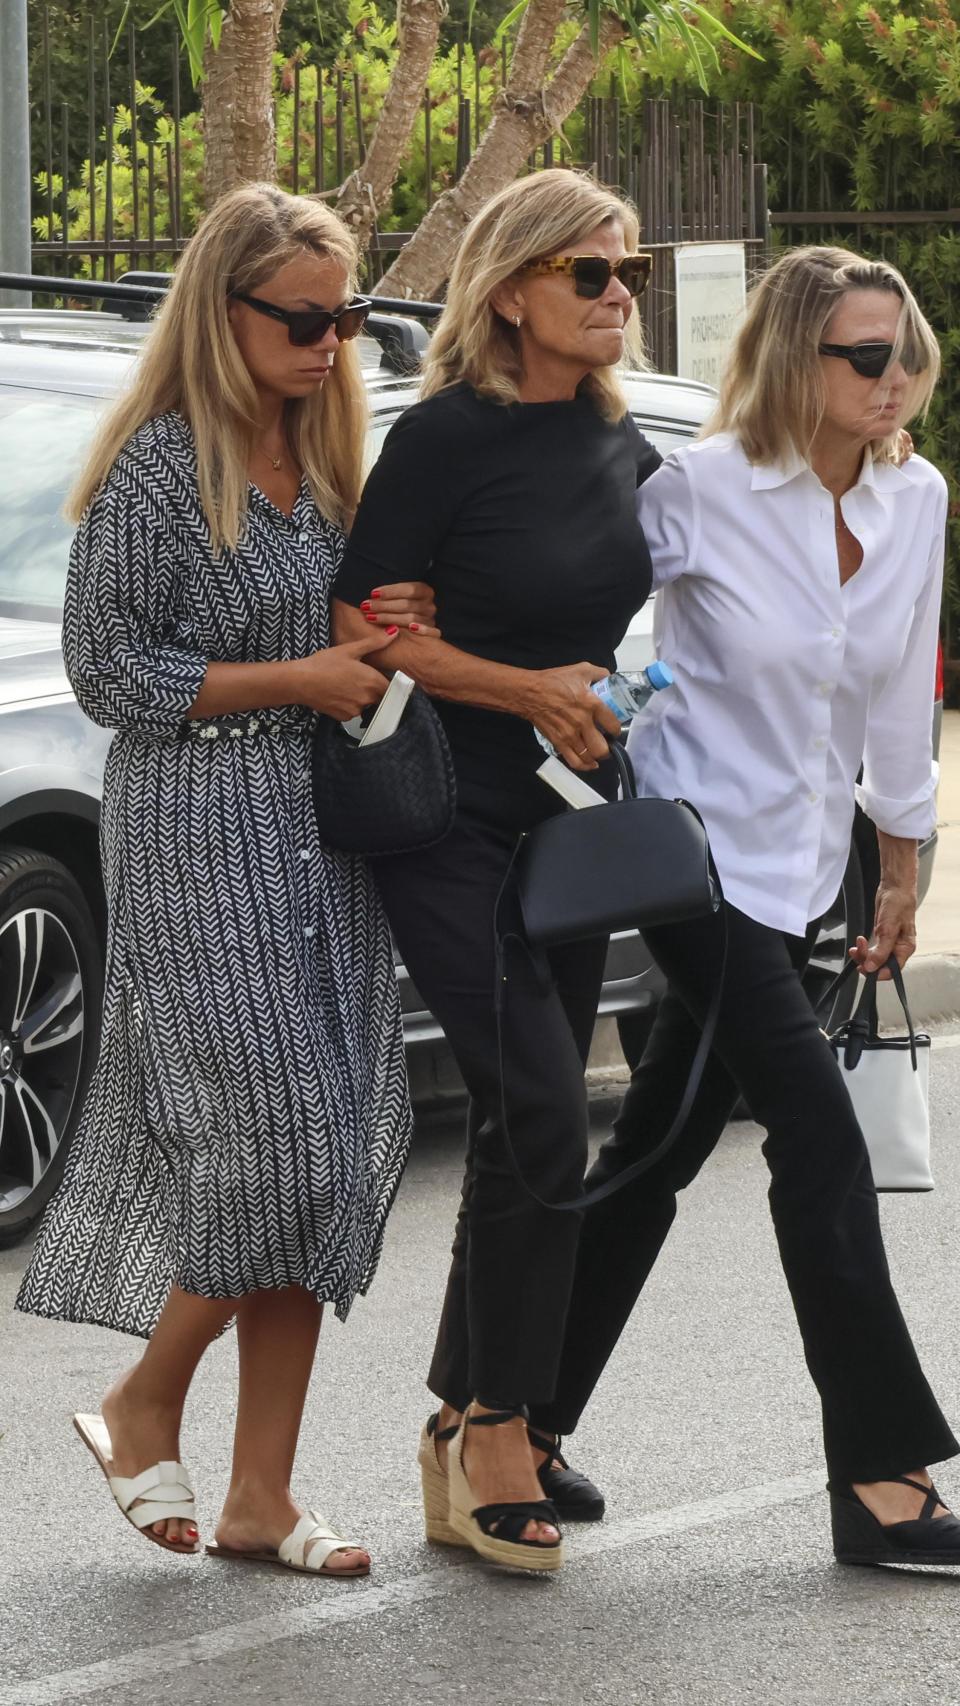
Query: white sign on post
{"points": [[711, 291]]}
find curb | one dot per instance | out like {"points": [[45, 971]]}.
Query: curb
{"points": [[933, 990]]}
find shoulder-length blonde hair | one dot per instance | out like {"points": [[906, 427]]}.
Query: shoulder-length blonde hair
{"points": [[190, 362], [772, 393], [531, 219]]}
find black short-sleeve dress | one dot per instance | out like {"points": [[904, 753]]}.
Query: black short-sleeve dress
{"points": [[248, 1121]]}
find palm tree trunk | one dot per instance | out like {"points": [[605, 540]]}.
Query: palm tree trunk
{"points": [[367, 190], [238, 129], [522, 120]]}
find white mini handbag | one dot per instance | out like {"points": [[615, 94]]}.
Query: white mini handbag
{"points": [[888, 1079]]}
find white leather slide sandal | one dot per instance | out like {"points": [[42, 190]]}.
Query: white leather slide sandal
{"points": [[306, 1549], [155, 1495]]}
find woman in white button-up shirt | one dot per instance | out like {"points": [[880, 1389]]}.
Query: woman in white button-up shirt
{"points": [[801, 571]]}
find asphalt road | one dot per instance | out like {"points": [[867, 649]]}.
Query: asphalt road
{"points": [[711, 1583]]}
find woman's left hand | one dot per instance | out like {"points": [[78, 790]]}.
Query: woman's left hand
{"points": [[405, 604], [894, 932]]}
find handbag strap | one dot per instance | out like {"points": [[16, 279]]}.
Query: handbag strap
{"points": [[636, 1169], [863, 1025]]}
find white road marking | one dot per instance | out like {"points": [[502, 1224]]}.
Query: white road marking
{"points": [[338, 1604]]}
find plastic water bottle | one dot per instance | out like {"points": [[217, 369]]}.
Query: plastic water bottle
{"points": [[625, 694]]}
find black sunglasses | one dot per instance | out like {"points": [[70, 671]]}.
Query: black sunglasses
{"points": [[592, 273], [872, 360], [309, 325]]}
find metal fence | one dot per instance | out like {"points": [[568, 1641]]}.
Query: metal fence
{"points": [[119, 187]]}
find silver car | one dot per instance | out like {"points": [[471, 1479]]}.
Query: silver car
{"points": [[56, 370]]}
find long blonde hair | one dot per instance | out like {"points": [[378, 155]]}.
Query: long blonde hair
{"points": [[190, 362], [532, 218], [772, 393]]}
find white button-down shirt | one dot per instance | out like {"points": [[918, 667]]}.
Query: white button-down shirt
{"points": [[786, 681]]}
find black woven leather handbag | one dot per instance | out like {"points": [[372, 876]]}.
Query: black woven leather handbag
{"points": [[392, 797]]}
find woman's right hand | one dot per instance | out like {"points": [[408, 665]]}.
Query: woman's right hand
{"points": [[338, 682], [576, 723]]}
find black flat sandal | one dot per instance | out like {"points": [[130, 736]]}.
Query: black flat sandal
{"points": [[860, 1538], [575, 1496], [494, 1531]]}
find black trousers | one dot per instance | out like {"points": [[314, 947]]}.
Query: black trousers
{"points": [[879, 1416], [504, 1314]]}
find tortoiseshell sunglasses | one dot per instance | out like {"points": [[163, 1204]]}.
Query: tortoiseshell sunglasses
{"points": [[592, 273]]}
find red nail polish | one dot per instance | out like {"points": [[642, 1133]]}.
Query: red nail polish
{"points": [[372, 619], [365, 605], [414, 627], [376, 593], [393, 630]]}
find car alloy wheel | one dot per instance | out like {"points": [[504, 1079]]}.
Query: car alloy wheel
{"points": [[49, 979]]}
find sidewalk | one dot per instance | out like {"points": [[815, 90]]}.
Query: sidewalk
{"points": [[933, 975]]}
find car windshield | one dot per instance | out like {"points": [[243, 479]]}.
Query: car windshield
{"points": [[43, 439], [44, 436]]}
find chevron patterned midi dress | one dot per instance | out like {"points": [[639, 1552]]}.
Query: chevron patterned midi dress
{"points": [[248, 1121]]}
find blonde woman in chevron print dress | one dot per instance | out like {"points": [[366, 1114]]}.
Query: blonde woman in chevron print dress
{"points": [[248, 1122]]}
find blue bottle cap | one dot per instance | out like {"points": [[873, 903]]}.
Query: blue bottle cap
{"points": [[659, 675]]}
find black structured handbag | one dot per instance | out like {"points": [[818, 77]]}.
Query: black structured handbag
{"points": [[392, 797], [630, 863], [620, 866]]}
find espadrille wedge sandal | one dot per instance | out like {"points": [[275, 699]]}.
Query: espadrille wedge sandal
{"points": [[436, 1485], [494, 1531], [860, 1538], [574, 1494]]}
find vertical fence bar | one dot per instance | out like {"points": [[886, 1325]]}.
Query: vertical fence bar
{"points": [[319, 137], [295, 158], [65, 171], [48, 122], [341, 155], [175, 193], [427, 146], [134, 160], [358, 119], [476, 98], [151, 208], [92, 139], [171, 191], [463, 138], [108, 160]]}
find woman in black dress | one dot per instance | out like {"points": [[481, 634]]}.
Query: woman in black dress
{"points": [[510, 487]]}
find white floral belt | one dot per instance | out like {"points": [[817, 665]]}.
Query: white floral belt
{"points": [[245, 725]]}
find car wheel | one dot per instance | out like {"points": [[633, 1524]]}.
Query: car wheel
{"points": [[51, 984]]}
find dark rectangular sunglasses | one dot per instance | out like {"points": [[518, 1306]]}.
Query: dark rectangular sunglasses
{"points": [[309, 325], [592, 273], [872, 360]]}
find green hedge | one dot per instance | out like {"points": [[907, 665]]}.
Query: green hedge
{"points": [[858, 107]]}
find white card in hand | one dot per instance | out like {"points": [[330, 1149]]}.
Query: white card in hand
{"points": [[568, 784], [386, 718]]}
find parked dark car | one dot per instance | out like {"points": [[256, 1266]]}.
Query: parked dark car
{"points": [[56, 370]]}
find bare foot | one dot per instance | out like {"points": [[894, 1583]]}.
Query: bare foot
{"points": [[254, 1519], [499, 1466], [890, 1502], [141, 1435]]}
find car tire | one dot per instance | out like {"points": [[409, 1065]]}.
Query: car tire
{"points": [[51, 987], [844, 921]]}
